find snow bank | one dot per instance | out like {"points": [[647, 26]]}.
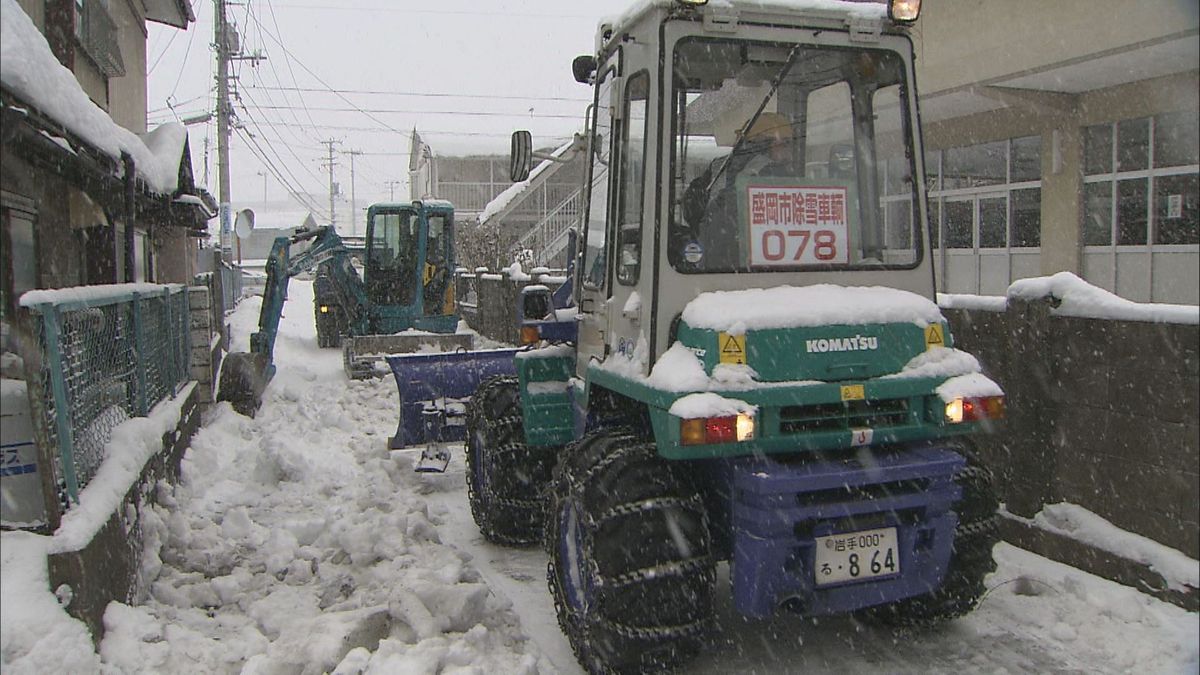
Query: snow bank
{"points": [[819, 305], [1080, 299], [36, 635], [28, 68], [1076, 522]]}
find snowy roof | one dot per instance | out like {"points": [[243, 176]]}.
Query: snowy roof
{"points": [[30, 71], [504, 198]]}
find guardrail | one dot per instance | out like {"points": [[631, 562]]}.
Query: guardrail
{"points": [[103, 354]]}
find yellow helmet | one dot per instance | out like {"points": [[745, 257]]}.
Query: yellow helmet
{"points": [[770, 126]]}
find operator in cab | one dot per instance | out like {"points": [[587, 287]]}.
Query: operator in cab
{"points": [[710, 202]]}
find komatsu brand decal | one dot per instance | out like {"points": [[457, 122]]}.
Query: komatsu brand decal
{"points": [[858, 343]]}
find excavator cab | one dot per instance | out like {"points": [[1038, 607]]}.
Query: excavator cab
{"points": [[408, 267]]}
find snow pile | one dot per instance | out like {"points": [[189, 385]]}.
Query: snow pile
{"points": [[819, 305], [36, 635], [1078, 298], [28, 69], [1076, 522]]}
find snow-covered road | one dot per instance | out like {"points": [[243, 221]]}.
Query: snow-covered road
{"points": [[298, 543]]}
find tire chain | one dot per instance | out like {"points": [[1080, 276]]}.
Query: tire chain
{"points": [[575, 485]]}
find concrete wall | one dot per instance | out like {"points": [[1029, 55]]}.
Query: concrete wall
{"points": [[1100, 413]]}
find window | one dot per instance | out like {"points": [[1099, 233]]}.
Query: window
{"points": [[633, 168], [1175, 209], [1025, 218], [1141, 181], [974, 166], [992, 193], [594, 260], [391, 269], [789, 157]]}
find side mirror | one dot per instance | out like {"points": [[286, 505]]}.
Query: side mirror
{"points": [[583, 67], [520, 159], [244, 224]]}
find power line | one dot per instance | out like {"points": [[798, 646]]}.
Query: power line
{"points": [[472, 13], [429, 94], [468, 113], [287, 59], [256, 150]]}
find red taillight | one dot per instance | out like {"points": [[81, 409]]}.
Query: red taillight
{"points": [[529, 335], [711, 430], [720, 430], [975, 409]]}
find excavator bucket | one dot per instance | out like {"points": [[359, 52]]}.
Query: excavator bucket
{"points": [[244, 376], [364, 355], [434, 390]]}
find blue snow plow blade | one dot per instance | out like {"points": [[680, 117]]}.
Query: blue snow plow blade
{"points": [[440, 385]]}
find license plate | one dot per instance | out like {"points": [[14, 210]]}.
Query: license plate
{"points": [[856, 556]]}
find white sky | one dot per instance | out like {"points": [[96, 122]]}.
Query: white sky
{"points": [[508, 61]]}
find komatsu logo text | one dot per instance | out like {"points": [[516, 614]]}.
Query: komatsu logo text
{"points": [[858, 343]]}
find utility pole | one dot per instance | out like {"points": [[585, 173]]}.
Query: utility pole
{"points": [[223, 110], [228, 46], [392, 189], [353, 201], [330, 163]]}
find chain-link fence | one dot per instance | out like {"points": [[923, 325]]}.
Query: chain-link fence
{"points": [[106, 354]]}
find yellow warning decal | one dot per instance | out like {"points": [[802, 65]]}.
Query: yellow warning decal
{"points": [[853, 392], [732, 348], [934, 336]]}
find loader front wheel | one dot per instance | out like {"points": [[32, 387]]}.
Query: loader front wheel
{"points": [[631, 569], [506, 479]]}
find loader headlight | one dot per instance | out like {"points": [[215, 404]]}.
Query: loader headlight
{"points": [[904, 11], [324, 309], [710, 430], [975, 409]]}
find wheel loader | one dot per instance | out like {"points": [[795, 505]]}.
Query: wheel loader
{"points": [[761, 381]]}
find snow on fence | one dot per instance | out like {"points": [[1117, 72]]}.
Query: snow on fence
{"points": [[103, 354]]}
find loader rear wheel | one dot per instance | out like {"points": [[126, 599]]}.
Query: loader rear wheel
{"points": [[971, 559], [631, 569], [506, 479]]}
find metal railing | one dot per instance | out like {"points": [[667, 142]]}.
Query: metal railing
{"points": [[549, 236], [106, 354]]}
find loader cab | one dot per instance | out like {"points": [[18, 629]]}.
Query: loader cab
{"points": [[408, 266], [736, 147]]}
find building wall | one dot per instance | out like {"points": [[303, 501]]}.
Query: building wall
{"points": [[963, 42], [36, 10], [971, 54], [127, 94]]}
